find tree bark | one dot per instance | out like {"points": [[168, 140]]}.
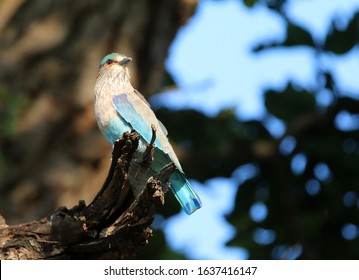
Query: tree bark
{"points": [[105, 229]]}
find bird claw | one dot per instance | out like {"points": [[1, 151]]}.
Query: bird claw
{"points": [[147, 155]]}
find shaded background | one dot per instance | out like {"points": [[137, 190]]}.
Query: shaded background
{"points": [[279, 159]]}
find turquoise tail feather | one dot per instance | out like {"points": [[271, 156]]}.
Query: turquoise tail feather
{"points": [[184, 193]]}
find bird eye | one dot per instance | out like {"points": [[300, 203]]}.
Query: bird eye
{"points": [[109, 62]]}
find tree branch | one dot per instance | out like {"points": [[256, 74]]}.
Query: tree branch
{"points": [[113, 226]]}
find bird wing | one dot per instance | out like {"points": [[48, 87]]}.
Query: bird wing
{"points": [[164, 129], [141, 96], [162, 126], [140, 121]]}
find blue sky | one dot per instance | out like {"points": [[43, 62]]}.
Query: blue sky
{"points": [[211, 62]]}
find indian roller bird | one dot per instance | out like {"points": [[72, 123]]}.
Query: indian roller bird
{"points": [[119, 108]]}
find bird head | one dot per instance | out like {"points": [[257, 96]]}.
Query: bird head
{"points": [[115, 63], [115, 59]]}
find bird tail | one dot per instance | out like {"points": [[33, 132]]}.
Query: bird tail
{"points": [[184, 192]]}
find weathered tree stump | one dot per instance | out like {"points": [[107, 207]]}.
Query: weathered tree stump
{"points": [[113, 226]]}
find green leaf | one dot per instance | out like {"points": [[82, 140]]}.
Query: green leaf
{"points": [[10, 109], [290, 103], [250, 3], [341, 41], [296, 36]]}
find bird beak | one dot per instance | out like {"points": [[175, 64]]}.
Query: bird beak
{"points": [[125, 61]]}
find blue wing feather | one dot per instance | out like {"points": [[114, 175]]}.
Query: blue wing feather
{"points": [[129, 113], [181, 188]]}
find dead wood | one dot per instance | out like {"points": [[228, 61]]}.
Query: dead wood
{"points": [[113, 226]]}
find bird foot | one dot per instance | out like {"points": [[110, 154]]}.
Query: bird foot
{"points": [[148, 154]]}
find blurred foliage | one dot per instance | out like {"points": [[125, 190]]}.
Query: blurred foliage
{"points": [[306, 181], [10, 112], [296, 36], [250, 3], [342, 40], [289, 104], [10, 109], [309, 185]]}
